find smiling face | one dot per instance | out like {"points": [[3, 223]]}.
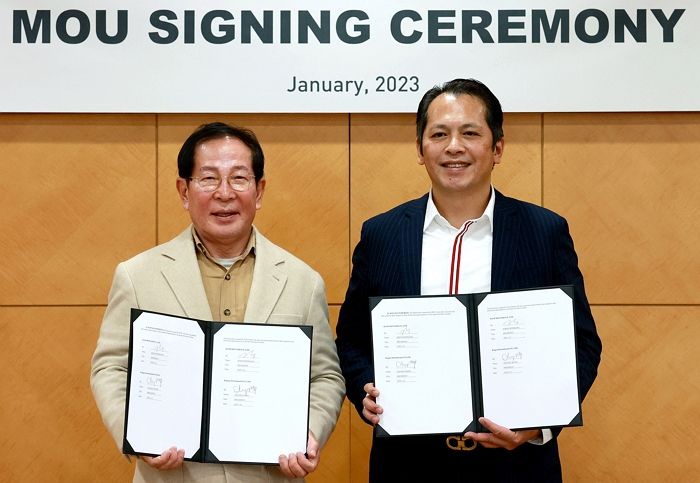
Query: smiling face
{"points": [[458, 151], [223, 218]]}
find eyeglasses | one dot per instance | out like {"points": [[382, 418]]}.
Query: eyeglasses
{"points": [[211, 182]]}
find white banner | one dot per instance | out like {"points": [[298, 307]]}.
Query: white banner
{"points": [[331, 56]]}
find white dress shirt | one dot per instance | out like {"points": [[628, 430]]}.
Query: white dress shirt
{"points": [[458, 260]]}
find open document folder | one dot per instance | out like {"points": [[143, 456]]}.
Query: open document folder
{"points": [[223, 392], [441, 362]]}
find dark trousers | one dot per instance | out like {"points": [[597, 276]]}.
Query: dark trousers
{"points": [[428, 459]]}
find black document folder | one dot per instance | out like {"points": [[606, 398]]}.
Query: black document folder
{"points": [[443, 361], [214, 389]]}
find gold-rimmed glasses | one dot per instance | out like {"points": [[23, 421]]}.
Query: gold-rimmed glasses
{"points": [[211, 182]]}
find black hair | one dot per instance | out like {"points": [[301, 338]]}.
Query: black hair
{"points": [[217, 130], [471, 87]]}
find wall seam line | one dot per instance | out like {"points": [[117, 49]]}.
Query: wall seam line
{"points": [[157, 121], [542, 159]]}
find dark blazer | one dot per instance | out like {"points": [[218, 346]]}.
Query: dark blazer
{"points": [[532, 247]]}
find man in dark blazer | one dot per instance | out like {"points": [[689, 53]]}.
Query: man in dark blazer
{"points": [[463, 236]]}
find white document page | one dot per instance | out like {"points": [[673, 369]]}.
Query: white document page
{"points": [[259, 392], [421, 364], [528, 358], [167, 367]]}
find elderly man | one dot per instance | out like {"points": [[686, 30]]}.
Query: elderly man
{"points": [[219, 268]]}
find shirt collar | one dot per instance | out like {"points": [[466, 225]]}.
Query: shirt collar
{"points": [[250, 247], [433, 216]]}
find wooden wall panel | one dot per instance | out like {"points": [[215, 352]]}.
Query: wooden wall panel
{"points": [[51, 429], [520, 172], [305, 206], [641, 416], [385, 170], [335, 456], [81, 192], [360, 445], [628, 185], [78, 192]]}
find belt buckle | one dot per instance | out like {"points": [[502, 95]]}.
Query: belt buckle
{"points": [[460, 443]]}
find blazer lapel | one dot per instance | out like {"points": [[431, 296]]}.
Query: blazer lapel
{"points": [[269, 279], [411, 243], [506, 229], [181, 271]]}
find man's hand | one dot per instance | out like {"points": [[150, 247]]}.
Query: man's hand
{"points": [[501, 437], [298, 465], [370, 409], [168, 460]]}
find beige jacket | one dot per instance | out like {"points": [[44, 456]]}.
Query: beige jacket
{"points": [[167, 279]]}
